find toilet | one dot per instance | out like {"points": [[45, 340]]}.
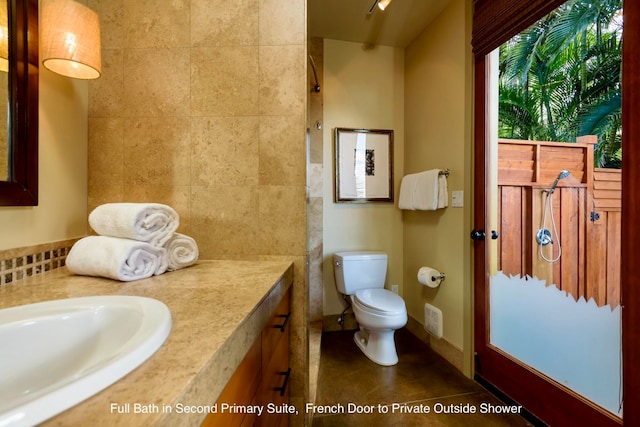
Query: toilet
{"points": [[379, 312]]}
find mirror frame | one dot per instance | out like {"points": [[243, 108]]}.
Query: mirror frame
{"points": [[21, 188]]}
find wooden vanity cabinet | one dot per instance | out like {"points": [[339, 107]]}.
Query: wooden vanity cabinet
{"points": [[275, 366], [261, 379]]}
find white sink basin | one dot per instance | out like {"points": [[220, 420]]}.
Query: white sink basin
{"points": [[55, 354]]}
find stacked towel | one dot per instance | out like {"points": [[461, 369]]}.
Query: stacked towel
{"points": [[424, 191], [148, 222], [182, 251], [115, 258], [136, 241]]}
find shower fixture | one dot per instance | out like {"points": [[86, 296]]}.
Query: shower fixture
{"points": [[563, 174], [316, 87], [544, 237]]}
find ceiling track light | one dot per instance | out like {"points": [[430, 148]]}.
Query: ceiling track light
{"points": [[373, 7], [382, 4]]}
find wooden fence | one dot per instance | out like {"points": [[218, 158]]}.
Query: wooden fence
{"points": [[586, 209]]}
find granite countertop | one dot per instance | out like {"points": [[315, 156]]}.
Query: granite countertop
{"points": [[218, 309]]}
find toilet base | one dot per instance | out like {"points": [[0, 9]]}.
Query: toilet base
{"points": [[378, 345]]}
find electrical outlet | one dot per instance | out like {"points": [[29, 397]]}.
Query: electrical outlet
{"points": [[457, 199], [394, 289]]}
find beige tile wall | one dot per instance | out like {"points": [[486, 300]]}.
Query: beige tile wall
{"points": [[202, 105]]}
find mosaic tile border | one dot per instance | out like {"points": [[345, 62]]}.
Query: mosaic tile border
{"points": [[19, 263]]}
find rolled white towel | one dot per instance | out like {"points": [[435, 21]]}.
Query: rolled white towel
{"points": [[182, 251], [115, 258], [154, 223]]}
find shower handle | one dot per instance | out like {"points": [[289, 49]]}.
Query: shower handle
{"points": [[543, 237]]}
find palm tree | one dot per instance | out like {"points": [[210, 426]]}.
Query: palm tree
{"points": [[560, 78]]}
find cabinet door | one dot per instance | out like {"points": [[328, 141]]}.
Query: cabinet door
{"points": [[275, 366], [242, 389]]}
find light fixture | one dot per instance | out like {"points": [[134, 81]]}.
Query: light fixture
{"points": [[382, 4], [4, 37], [70, 39]]}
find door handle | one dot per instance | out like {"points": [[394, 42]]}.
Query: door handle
{"points": [[477, 234], [481, 235], [284, 323], [283, 387]]}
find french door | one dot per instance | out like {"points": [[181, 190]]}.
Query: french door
{"points": [[543, 394]]}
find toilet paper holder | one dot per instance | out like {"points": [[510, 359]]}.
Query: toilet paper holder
{"points": [[430, 277], [440, 277]]}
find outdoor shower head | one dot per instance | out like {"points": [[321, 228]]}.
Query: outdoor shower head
{"points": [[563, 174]]}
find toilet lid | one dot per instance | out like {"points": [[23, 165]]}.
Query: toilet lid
{"points": [[381, 299]]}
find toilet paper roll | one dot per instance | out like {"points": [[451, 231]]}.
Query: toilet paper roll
{"points": [[429, 277]]}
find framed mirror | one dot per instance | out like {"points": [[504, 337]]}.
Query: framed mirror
{"points": [[19, 137]]}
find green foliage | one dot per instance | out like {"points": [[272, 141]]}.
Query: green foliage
{"points": [[560, 78]]}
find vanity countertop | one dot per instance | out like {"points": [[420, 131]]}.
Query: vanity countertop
{"points": [[218, 309]]}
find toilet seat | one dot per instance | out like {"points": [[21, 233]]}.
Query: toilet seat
{"points": [[380, 301]]}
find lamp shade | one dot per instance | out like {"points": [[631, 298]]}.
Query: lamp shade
{"points": [[4, 37], [70, 39]]}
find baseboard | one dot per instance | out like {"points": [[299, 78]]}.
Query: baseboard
{"points": [[444, 348]]}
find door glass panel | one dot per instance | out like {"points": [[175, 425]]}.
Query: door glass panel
{"points": [[555, 200]]}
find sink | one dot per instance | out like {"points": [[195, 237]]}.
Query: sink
{"points": [[55, 354]]}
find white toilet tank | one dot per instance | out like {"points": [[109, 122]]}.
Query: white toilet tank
{"points": [[359, 270]]}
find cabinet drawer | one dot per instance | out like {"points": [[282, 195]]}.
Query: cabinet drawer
{"points": [[278, 327], [275, 383]]}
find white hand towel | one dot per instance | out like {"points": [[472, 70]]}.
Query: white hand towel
{"points": [[443, 192], [115, 258], [426, 191], [407, 188], [182, 251], [148, 222]]}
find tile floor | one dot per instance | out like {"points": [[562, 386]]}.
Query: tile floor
{"points": [[347, 380]]}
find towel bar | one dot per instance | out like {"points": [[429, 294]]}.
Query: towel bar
{"points": [[444, 172]]}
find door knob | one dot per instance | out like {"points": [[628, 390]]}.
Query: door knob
{"points": [[477, 234]]}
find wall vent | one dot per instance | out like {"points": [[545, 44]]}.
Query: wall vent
{"points": [[433, 320]]}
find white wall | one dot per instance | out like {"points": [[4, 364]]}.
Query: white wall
{"points": [[438, 134], [62, 194], [364, 89]]}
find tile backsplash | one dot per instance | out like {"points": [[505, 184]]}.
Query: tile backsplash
{"points": [[18, 263]]}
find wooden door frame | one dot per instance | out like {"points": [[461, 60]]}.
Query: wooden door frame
{"points": [[554, 405], [630, 248]]}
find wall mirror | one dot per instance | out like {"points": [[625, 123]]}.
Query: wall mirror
{"points": [[19, 88]]}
